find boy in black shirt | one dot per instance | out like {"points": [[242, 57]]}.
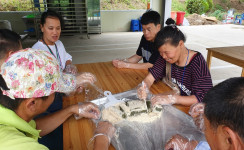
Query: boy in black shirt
{"points": [[151, 25]]}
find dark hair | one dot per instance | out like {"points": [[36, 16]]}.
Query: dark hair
{"points": [[224, 105], [9, 40], [51, 14], [150, 17], [169, 34], [6, 101], [170, 21]]}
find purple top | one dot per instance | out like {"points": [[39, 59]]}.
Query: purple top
{"points": [[197, 79]]}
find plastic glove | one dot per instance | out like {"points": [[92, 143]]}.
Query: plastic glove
{"points": [[162, 99], [121, 63], [83, 79], [178, 142], [87, 110], [71, 69], [105, 128], [197, 111], [143, 91]]}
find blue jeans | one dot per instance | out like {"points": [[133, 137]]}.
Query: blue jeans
{"points": [[54, 140]]}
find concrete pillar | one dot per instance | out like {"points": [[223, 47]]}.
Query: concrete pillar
{"points": [[157, 5], [163, 7], [167, 10]]}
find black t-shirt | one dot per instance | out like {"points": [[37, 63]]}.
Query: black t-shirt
{"points": [[148, 51]]}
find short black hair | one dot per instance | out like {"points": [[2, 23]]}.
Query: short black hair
{"points": [[51, 14], [6, 101], [150, 16], [9, 40], [169, 34], [224, 105]]}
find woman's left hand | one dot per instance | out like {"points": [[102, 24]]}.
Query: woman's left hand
{"points": [[162, 99]]}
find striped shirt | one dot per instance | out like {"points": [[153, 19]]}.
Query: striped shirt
{"points": [[197, 79]]}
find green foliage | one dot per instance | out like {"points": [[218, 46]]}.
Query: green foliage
{"points": [[16, 5], [144, 1], [123, 4], [206, 6], [224, 1], [218, 7], [178, 6], [218, 14], [210, 4], [197, 6]]}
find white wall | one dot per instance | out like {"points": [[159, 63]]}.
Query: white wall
{"points": [[15, 19], [111, 21], [118, 21]]}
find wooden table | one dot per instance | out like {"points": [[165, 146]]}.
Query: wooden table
{"points": [[77, 134], [234, 55]]}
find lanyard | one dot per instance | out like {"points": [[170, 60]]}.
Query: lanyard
{"points": [[50, 50], [147, 57], [183, 71]]}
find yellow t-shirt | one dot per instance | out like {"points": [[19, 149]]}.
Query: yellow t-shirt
{"points": [[17, 134]]}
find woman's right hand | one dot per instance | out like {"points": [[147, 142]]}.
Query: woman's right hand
{"points": [[142, 91]]}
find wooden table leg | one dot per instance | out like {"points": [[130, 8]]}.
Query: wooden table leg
{"points": [[209, 59], [242, 74]]}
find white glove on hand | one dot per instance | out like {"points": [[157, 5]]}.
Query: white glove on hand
{"points": [[87, 110], [197, 111], [162, 99], [142, 91], [120, 63], [178, 142], [83, 79], [106, 129], [71, 69]]}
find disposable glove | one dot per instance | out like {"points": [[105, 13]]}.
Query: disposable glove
{"points": [[105, 128], [162, 99], [178, 142], [143, 91], [120, 63], [197, 111], [83, 79], [87, 110], [71, 69]]}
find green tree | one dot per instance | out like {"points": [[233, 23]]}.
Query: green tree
{"points": [[197, 6]]}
